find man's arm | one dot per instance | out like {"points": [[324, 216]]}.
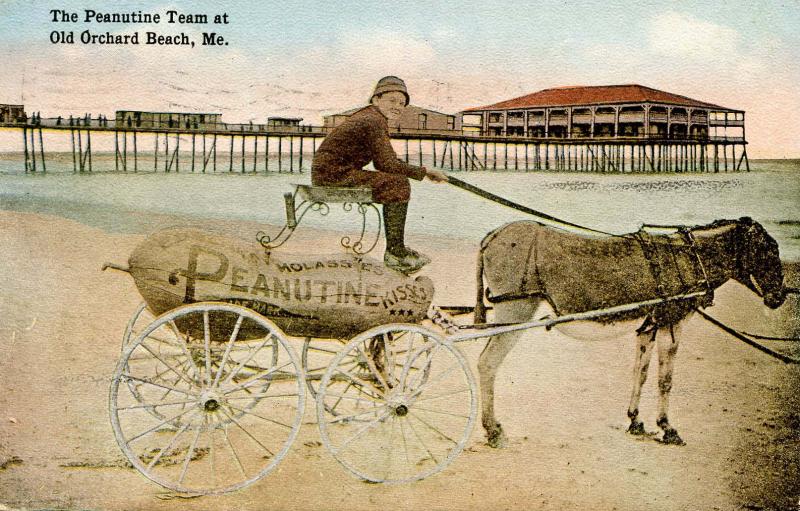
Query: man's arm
{"points": [[384, 157]]}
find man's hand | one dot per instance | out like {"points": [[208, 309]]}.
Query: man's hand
{"points": [[436, 176]]}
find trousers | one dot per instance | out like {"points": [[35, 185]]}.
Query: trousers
{"points": [[386, 188]]}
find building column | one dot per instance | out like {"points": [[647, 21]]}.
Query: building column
{"points": [[505, 123], [569, 122], [669, 121], [591, 126], [546, 123], [616, 121], [689, 122], [647, 121], [743, 137], [525, 125]]}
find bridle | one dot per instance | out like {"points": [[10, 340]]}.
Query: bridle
{"points": [[744, 274]]}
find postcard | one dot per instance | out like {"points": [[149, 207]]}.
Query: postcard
{"points": [[410, 255]]}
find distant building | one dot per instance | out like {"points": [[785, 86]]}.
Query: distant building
{"points": [[602, 112], [138, 119], [283, 122], [12, 113], [413, 118]]}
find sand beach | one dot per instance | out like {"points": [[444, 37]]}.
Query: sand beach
{"points": [[561, 400]]}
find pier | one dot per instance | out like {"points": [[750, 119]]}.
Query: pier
{"points": [[258, 148], [659, 132]]}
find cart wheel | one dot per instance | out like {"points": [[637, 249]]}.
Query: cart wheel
{"points": [[140, 319], [219, 398], [317, 355], [406, 408], [169, 336]]}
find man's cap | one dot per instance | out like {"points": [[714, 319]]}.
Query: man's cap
{"points": [[390, 84]]}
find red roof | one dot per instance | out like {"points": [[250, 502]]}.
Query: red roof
{"points": [[595, 95]]}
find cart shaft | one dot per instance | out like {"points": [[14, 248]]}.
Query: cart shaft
{"points": [[550, 322]]}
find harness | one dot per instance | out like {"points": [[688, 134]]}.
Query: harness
{"points": [[662, 254], [687, 233], [651, 253]]}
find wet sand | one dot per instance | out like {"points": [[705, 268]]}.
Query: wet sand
{"points": [[561, 400]]}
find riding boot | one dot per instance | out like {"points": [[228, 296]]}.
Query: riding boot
{"points": [[394, 222], [398, 256]]}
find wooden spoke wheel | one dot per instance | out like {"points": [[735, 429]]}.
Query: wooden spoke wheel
{"points": [[140, 319], [405, 403], [219, 398], [167, 337], [317, 356]]}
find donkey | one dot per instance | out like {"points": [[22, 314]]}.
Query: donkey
{"points": [[525, 263]]}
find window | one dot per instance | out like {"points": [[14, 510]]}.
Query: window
{"points": [[536, 117], [451, 122], [423, 121], [467, 119], [495, 117]]}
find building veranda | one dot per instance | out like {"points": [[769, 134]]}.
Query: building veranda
{"points": [[605, 111]]}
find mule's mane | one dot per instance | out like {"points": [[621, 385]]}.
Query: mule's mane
{"points": [[718, 223], [719, 226]]}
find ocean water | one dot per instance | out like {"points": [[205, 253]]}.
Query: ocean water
{"points": [[617, 203]]}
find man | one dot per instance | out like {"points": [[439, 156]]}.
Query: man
{"points": [[364, 138]]}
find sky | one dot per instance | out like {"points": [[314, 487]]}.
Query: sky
{"points": [[308, 58]]}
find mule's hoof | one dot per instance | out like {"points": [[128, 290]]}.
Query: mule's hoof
{"points": [[496, 438], [671, 437], [636, 428]]}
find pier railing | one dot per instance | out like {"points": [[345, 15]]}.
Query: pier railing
{"points": [[267, 147], [106, 124]]}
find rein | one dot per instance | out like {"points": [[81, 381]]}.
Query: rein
{"points": [[739, 335], [547, 219]]}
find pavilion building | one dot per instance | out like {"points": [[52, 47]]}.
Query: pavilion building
{"points": [[606, 111]]}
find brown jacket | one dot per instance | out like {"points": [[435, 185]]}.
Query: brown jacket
{"points": [[362, 138]]}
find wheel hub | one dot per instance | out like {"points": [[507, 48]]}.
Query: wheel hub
{"points": [[401, 410], [210, 402]]}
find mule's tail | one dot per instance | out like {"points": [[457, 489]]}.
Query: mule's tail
{"points": [[480, 307]]}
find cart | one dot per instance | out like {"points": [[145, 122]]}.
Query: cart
{"points": [[210, 392], [213, 382]]}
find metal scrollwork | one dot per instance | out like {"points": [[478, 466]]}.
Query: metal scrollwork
{"points": [[357, 246], [296, 212], [300, 210]]}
